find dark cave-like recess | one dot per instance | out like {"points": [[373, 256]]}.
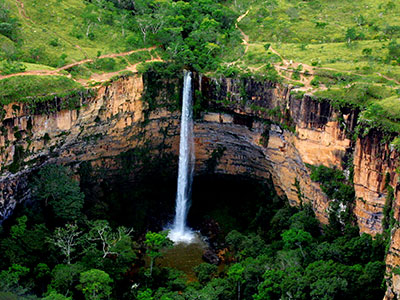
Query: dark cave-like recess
{"points": [[146, 200]]}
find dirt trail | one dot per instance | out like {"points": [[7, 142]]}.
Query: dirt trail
{"points": [[245, 38], [107, 76], [21, 10], [388, 78], [306, 73], [104, 56], [23, 14], [57, 71]]}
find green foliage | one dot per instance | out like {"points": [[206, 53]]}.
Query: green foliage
{"points": [[162, 88], [65, 278], [394, 51], [66, 238], [244, 246], [55, 296], [24, 244], [33, 89], [57, 189], [145, 295], [18, 230], [205, 272], [8, 24], [294, 238], [10, 279], [330, 78], [9, 67], [95, 284], [358, 95], [154, 243], [333, 183], [323, 280], [112, 242], [388, 214], [305, 220], [193, 33]]}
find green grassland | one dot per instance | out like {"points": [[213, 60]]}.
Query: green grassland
{"points": [[36, 88], [350, 49], [55, 33], [51, 33], [317, 21], [353, 48]]}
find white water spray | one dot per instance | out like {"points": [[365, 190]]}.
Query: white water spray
{"points": [[179, 231]]}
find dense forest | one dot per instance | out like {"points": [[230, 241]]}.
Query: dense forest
{"points": [[56, 248]]}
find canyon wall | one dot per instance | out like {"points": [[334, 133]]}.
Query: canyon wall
{"points": [[117, 120], [258, 128]]}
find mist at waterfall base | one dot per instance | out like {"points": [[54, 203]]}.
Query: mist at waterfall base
{"points": [[179, 232]]}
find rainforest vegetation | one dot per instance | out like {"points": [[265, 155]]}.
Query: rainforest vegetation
{"points": [[64, 245]]}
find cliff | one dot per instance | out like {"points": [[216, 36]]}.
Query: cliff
{"points": [[117, 119], [253, 128]]}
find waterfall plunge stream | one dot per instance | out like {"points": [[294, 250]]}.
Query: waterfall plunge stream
{"points": [[179, 231]]}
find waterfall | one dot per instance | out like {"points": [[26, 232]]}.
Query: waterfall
{"points": [[179, 231]]}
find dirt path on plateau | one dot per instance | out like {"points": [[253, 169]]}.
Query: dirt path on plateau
{"points": [[24, 15], [306, 72], [57, 71], [245, 37]]}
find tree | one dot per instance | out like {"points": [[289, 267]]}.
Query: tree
{"points": [[19, 229], [294, 238], [328, 288], [236, 273], [351, 35], [151, 16], [101, 231], [145, 295], [270, 288], [23, 244], [154, 243], [235, 240], [64, 278], [55, 186], [394, 51], [205, 272], [66, 238], [10, 279], [95, 284]]}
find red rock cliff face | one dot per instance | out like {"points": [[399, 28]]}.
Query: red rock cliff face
{"points": [[114, 122], [372, 161], [376, 165]]}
